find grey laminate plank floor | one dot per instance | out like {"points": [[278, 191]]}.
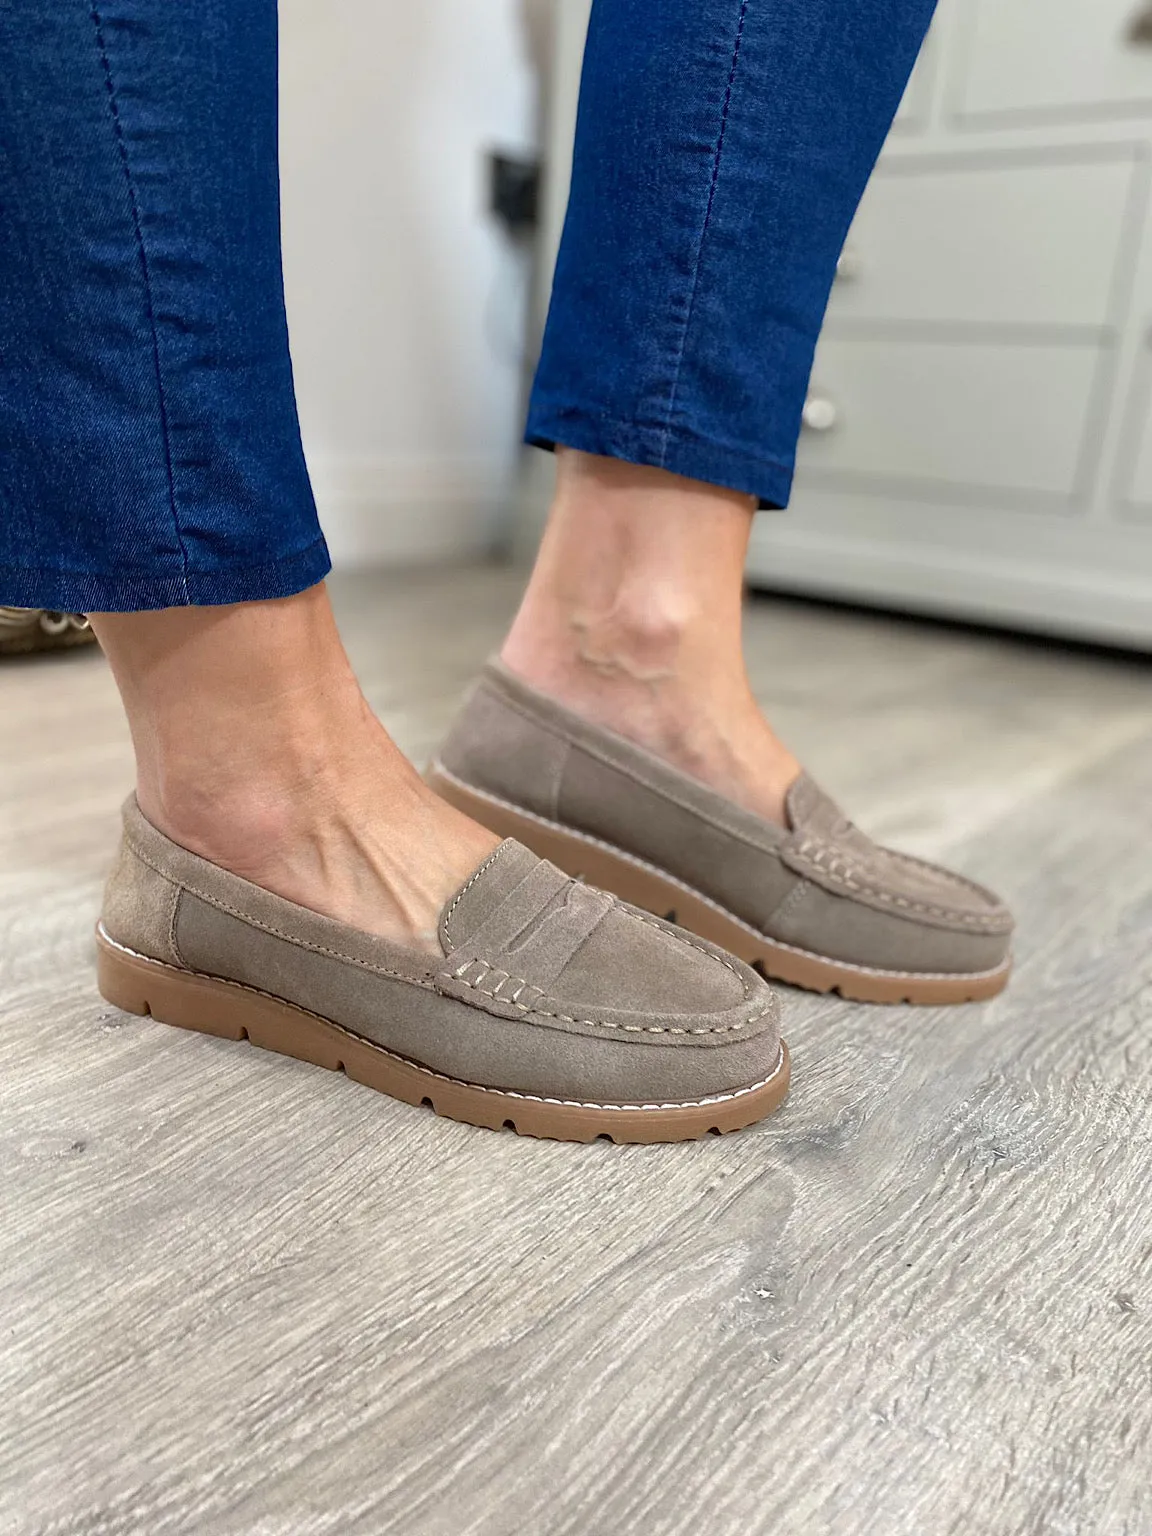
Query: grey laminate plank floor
{"points": [[240, 1297]]}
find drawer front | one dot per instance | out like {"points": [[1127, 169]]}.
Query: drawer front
{"points": [[990, 239], [1133, 480], [943, 418], [1055, 59], [912, 113]]}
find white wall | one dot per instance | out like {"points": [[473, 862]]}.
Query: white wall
{"points": [[403, 297]]}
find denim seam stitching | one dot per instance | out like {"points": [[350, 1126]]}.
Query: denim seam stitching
{"points": [[683, 435], [118, 130], [704, 230], [75, 573]]}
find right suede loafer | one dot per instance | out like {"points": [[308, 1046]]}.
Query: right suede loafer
{"points": [[552, 1009], [815, 903]]}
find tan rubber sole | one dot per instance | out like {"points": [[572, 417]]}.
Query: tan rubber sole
{"points": [[212, 1006], [645, 886]]}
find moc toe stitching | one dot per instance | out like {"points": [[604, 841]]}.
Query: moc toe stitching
{"points": [[530, 1009], [827, 872], [565, 935]]}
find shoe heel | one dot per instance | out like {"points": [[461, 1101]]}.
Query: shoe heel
{"points": [[142, 986]]}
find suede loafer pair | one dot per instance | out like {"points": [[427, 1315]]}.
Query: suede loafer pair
{"points": [[554, 1007]]}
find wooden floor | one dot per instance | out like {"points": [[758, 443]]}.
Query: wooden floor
{"points": [[241, 1297]]}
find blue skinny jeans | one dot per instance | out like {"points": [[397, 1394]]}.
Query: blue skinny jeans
{"points": [[149, 447]]}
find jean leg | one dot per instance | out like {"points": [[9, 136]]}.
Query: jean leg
{"points": [[721, 150], [149, 448]]}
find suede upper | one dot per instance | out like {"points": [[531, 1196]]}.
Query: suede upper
{"points": [[545, 987], [818, 884]]}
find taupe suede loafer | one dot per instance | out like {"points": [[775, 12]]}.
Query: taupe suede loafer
{"points": [[553, 1009], [815, 903]]}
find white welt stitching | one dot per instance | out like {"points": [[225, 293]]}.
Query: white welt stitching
{"points": [[456, 1082]]}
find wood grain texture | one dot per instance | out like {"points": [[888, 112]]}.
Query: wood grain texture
{"points": [[241, 1297]]}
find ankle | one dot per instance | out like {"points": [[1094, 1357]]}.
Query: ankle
{"points": [[239, 823], [655, 678], [256, 775], [633, 619], [635, 600], [638, 642]]}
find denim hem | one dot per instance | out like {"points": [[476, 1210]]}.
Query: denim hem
{"points": [[137, 591], [736, 469]]}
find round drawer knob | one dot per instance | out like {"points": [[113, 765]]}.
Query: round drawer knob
{"points": [[848, 264], [819, 413]]}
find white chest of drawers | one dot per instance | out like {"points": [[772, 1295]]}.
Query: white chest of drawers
{"points": [[984, 380], [980, 438]]}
